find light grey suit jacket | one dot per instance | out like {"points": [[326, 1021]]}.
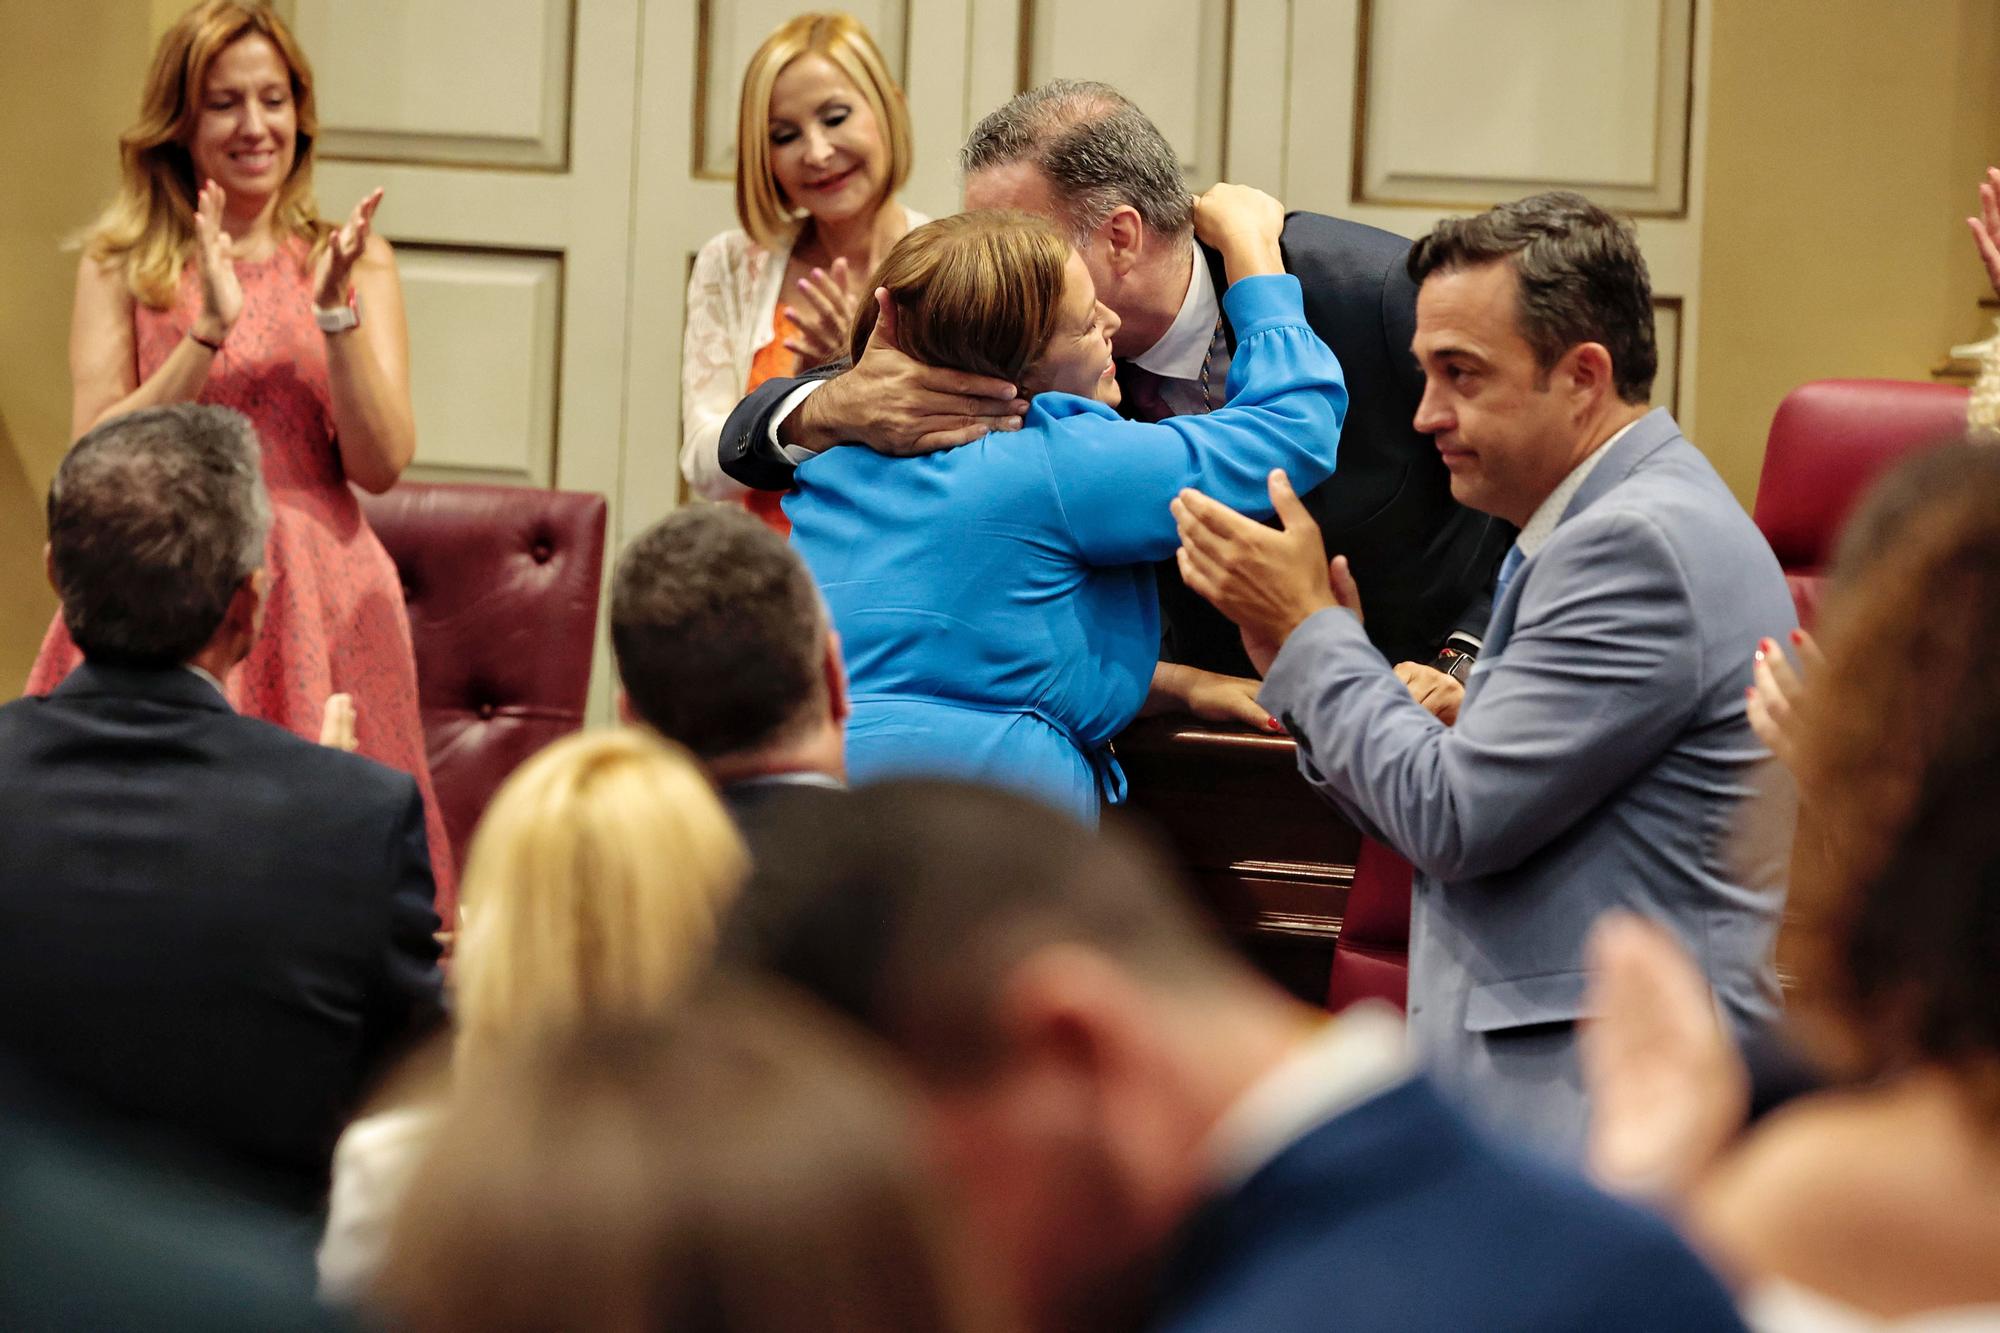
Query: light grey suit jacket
{"points": [[1599, 760]]}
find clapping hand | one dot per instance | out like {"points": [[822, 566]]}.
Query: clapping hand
{"points": [[1267, 581], [823, 321], [1772, 703], [1667, 1088], [336, 727], [343, 248], [1986, 227], [215, 266]]}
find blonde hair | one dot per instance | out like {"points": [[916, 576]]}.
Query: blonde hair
{"points": [[147, 231], [592, 888], [761, 206], [977, 291]]}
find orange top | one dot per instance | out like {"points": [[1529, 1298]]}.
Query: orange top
{"points": [[773, 361]]}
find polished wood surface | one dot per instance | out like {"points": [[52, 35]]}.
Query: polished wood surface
{"points": [[1267, 856]]}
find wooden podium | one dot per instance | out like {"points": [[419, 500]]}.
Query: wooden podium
{"points": [[1268, 857]]}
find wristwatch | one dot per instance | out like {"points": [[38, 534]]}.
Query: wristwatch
{"points": [[1455, 659], [339, 319]]}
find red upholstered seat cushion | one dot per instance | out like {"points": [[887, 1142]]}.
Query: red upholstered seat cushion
{"points": [[1372, 959], [501, 584], [1829, 441]]}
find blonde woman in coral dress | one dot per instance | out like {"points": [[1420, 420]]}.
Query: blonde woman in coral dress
{"points": [[212, 279]]}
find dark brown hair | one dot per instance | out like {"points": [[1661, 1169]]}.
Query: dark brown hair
{"points": [[753, 1166], [907, 905], [718, 631], [1582, 279], [977, 291], [1898, 881]]}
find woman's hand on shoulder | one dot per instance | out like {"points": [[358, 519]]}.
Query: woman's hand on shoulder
{"points": [[1244, 224]]}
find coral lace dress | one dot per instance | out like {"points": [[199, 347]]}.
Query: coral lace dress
{"points": [[333, 614]]}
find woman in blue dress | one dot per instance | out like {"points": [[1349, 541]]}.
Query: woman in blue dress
{"points": [[995, 601]]}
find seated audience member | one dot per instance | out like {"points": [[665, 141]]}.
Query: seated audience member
{"points": [[754, 1167], [723, 646], [1879, 1200], [591, 892], [209, 928], [1081, 155], [1145, 1132], [1601, 748], [995, 601]]}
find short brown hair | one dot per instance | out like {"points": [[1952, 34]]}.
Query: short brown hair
{"points": [[908, 905], [1582, 279], [977, 291], [718, 631], [761, 206], [754, 1164]]}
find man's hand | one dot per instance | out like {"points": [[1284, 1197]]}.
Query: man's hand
{"points": [[897, 405], [1437, 692], [1667, 1088], [336, 724], [1267, 582]]}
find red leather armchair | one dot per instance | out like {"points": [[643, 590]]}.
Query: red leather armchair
{"points": [[1829, 441], [501, 584], [1372, 961]]}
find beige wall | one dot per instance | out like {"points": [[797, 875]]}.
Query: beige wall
{"points": [[1845, 142], [69, 82]]}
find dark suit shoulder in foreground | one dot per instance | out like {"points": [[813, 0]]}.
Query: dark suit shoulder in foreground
{"points": [[208, 927], [1397, 1215]]}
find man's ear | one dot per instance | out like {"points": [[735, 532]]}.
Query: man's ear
{"points": [[1587, 368], [246, 605], [49, 567], [625, 713], [834, 668], [1124, 237]]}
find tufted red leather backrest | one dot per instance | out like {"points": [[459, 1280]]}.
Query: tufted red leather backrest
{"points": [[1829, 441], [501, 584]]}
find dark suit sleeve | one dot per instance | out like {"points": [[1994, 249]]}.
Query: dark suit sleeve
{"points": [[409, 997], [747, 454]]}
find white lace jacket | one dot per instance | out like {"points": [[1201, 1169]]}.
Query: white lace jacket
{"points": [[731, 301]]}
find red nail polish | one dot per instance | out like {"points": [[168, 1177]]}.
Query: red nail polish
{"points": [[1274, 724], [1798, 636]]}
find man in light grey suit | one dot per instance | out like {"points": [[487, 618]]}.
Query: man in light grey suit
{"points": [[1600, 750]]}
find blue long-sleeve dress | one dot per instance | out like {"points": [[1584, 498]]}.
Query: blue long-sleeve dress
{"points": [[995, 602]]}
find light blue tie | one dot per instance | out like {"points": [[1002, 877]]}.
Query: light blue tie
{"points": [[1496, 638], [1508, 569]]}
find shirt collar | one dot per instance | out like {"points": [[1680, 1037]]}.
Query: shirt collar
{"points": [[1184, 346], [1542, 523], [1348, 1060], [213, 682], [803, 777]]}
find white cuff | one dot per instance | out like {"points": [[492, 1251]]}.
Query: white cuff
{"points": [[786, 406]]}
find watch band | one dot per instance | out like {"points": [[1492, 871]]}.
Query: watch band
{"points": [[339, 319]]}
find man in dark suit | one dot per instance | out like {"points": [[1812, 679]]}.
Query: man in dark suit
{"points": [[213, 932], [1085, 157], [723, 645], [1144, 1132]]}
